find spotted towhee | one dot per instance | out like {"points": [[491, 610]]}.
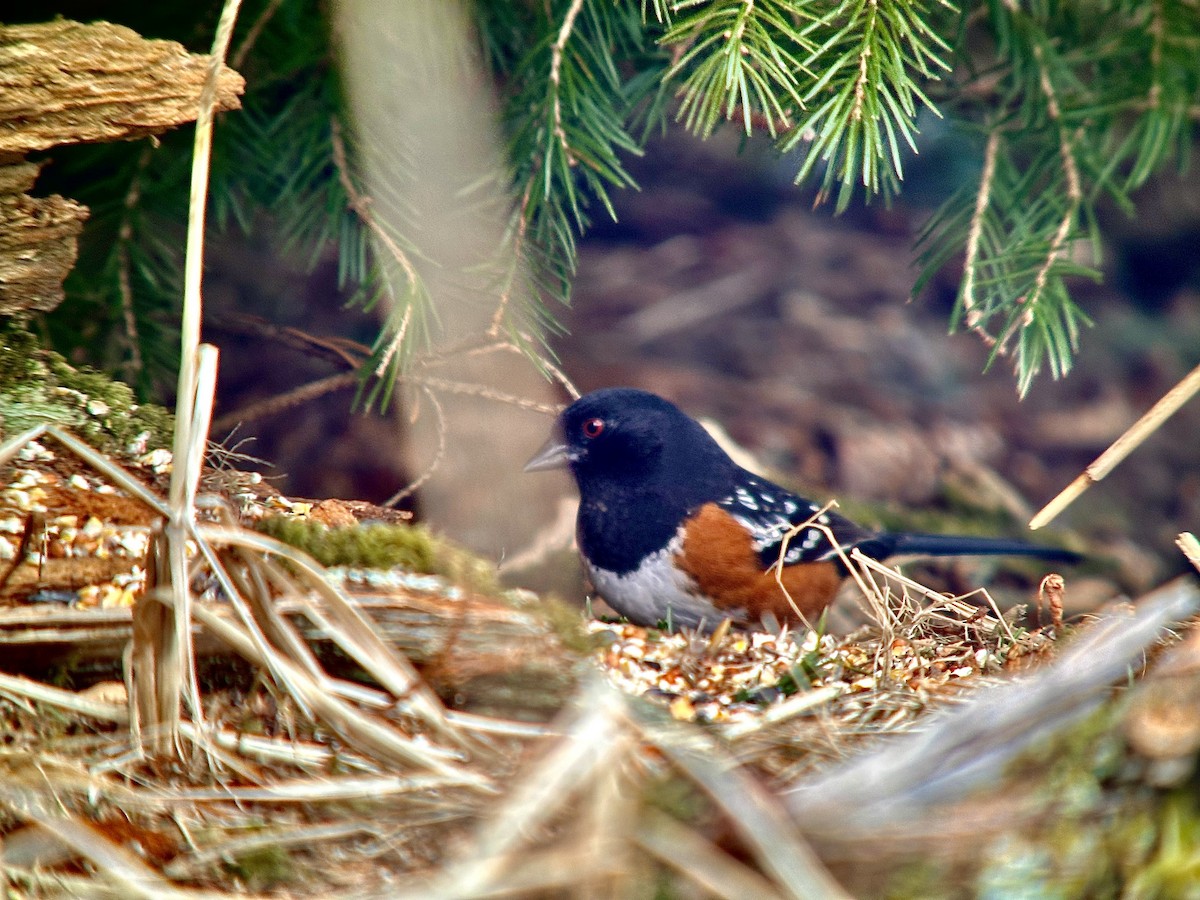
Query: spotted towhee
{"points": [[673, 530]]}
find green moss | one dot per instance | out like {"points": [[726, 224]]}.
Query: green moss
{"points": [[359, 546], [38, 385], [1157, 850], [264, 867], [564, 620], [409, 547]]}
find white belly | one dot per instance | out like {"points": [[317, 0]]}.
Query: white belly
{"points": [[658, 592]]}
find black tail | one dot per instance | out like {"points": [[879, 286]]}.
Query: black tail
{"points": [[964, 545]]}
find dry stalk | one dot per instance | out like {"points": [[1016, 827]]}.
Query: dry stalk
{"points": [[174, 672], [698, 860], [1166, 407], [762, 824], [1050, 594], [778, 565], [248, 580], [1190, 547], [597, 738], [353, 632]]}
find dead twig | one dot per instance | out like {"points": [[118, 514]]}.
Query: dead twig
{"points": [[1121, 447]]}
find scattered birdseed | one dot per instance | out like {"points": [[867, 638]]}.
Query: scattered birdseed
{"points": [[137, 447], [863, 678], [34, 451], [158, 461]]}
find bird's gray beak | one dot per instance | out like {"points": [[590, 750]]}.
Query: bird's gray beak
{"points": [[555, 454]]}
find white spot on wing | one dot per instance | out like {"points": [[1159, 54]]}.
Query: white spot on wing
{"points": [[746, 499]]}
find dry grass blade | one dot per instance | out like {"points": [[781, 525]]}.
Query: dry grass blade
{"points": [[608, 811], [48, 784], [964, 748], [110, 470], [131, 876], [373, 737], [1149, 423], [10, 447], [592, 741], [698, 860], [1190, 547], [268, 655], [354, 633], [294, 667], [244, 568], [56, 884], [279, 751], [202, 862], [781, 712], [557, 872], [503, 727], [318, 790], [758, 818], [24, 688]]}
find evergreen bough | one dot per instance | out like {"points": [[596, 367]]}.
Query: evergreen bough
{"points": [[1070, 104]]}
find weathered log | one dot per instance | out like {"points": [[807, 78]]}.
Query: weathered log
{"points": [[64, 83], [478, 653], [37, 242]]}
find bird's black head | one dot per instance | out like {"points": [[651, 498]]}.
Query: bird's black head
{"points": [[642, 466], [623, 436]]}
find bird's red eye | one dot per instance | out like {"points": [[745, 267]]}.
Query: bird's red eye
{"points": [[592, 428]]}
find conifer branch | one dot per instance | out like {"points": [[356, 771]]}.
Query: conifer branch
{"points": [[971, 314], [417, 483], [361, 204], [289, 399], [556, 58], [1074, 198], [392, 348], [1071, 112], [1156, 29], [481, 390], [516, 257]]}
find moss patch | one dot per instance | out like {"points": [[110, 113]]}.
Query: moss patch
{"points": [[38, 385], [409, 547]]}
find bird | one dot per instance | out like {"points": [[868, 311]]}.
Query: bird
{"points": [[673, 533]]}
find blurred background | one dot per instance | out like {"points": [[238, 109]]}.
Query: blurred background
{"points": [[718, 284]]}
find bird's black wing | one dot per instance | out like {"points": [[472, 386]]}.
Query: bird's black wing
{"points": [[771, 514]]}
